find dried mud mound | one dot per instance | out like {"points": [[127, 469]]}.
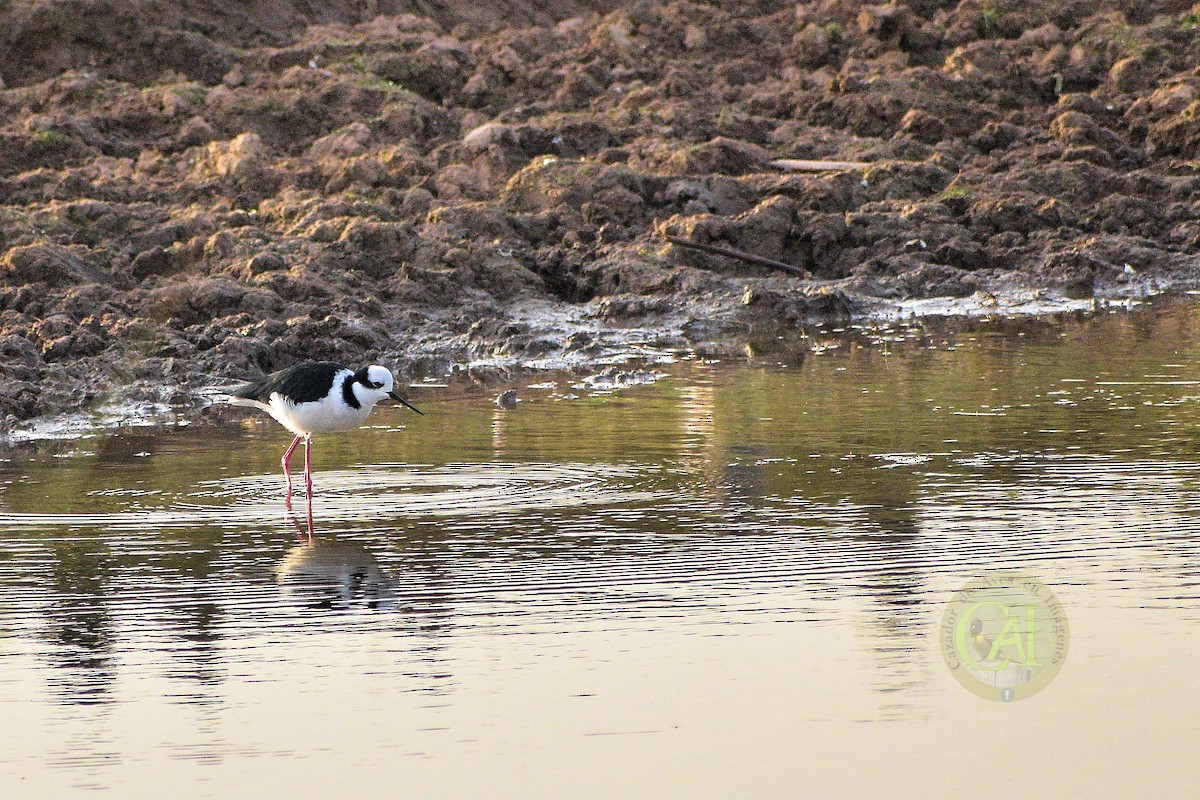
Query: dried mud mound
{"points": [[196, 191]]}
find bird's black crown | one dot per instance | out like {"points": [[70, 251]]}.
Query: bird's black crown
{"points": [[363, 377]]}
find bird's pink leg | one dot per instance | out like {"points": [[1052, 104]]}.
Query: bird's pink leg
{"points": [[308, 480], [287, 501]]}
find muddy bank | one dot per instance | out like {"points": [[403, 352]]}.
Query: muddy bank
{"points": [[192, 193]]}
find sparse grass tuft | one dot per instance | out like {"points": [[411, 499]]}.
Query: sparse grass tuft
{"points": [[955, 193], [48, 140], [366, 67], [384, 85], [991, 19], [195, 94]]}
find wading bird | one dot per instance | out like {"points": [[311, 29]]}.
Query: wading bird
{"points": [[317, 397]]}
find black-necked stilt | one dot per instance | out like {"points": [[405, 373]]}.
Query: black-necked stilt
{"points": [[317, 397]]}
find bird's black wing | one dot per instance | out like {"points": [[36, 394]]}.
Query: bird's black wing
{"points": [[303, 383]]}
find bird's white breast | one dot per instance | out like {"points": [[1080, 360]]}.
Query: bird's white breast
{"points": [[330, 413]]}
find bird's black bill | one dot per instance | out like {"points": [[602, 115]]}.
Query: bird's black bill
{"points": [[404, 402]]}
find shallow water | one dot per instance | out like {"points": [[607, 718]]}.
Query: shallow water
{"points": [[728, 583]]}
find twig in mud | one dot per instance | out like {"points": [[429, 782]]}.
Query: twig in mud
{"points": [[801, 165], [749, 258]]}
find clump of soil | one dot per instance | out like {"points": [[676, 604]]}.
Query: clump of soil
{"points": [[193, 193]]}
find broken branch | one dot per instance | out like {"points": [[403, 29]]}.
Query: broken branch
{"points": [[749, 258], [801, 165]]}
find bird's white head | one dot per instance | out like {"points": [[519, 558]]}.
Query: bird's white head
{"points": [[373, 383]]}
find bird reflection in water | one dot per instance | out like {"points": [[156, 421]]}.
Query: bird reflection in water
{"points": [[343, 583], [330, 575]]}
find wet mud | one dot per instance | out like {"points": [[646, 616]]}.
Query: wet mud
{"points": [[196, 193]]}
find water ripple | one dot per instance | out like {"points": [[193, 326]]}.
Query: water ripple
{"points": [[376, 493]]}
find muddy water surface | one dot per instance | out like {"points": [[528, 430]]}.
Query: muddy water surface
{"points": [[727, 583]]}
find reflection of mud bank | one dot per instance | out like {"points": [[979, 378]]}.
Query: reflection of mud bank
{"points": [[192, 195]]}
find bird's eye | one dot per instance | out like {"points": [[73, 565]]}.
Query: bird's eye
{"points": [[376, 385]]}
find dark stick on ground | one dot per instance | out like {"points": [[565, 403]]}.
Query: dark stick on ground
{"points": [[804, 165], [749, 258]]}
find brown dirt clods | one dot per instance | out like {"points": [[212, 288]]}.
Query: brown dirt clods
{"points": [[192, 192]]}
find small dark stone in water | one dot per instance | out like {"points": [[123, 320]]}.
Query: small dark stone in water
{"points": [[507, 399]]}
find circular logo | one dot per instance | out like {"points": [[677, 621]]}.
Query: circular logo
{"points": [[1004, 636]]}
